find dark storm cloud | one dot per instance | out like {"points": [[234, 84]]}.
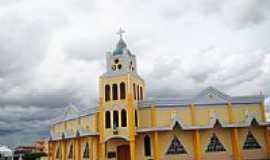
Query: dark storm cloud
{"points": [[55, 98], [4, 132]]}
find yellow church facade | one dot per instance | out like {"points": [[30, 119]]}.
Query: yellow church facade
{"points": [[127, 126]]}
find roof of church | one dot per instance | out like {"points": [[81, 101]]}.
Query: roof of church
{"points": [[209, 96], [72, 112]]}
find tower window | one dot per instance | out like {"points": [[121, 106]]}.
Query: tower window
{"points": [[147, 146], [136, 118], [119, 66], [107, 119], [107, 92], [124, 118], [122, 90], [141, 93], [116, 61], [138, 92], [113, 67], [115, 92], [115, 119], [134, 91]]}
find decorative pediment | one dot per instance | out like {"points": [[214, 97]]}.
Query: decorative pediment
{"points": [[176, 147], [251, 142], [211, 95], [215, 145], [67, 134], [177, 123], [71, 112]]}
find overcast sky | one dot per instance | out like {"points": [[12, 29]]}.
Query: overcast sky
{"points": [[52, 52]]}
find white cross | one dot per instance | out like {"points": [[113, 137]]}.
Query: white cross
{"points": [[120, 32]]}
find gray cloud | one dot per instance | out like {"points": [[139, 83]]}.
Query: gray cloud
{"points": [[51, 54], [236, 14]]}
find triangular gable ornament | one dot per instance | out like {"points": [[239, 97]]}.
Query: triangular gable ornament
{"points": [[251, 142], [176, 147], [71, 112], [211, 95], [215, 145]]}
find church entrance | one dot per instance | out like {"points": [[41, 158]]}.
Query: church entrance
{"points": [[123, 152]]}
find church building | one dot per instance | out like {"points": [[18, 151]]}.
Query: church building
{"points": [[126, 125]]}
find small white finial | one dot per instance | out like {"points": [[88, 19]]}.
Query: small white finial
{"points": [[120, 32]]}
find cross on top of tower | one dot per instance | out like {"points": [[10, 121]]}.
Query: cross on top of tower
{"points": [[120, 32]]}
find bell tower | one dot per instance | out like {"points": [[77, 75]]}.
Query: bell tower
{"points": [[120, 88], [121, 61]]}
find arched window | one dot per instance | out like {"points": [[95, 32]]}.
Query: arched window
{"points": [[107, 92], [141, 93], [86, 151], [70, 153], [108, 119], [136, 118], [134, 91], [138, 92], [115, 119], [124, 117], [115, 92], [58, 152], [147, 146], [122, 90]]}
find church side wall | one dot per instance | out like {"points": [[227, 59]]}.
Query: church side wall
{"points": [[88, 122], [204, 113], [144, 118], [165, 115], [240, 111]]}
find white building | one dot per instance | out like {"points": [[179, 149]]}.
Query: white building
{"points": [[5, 153]]}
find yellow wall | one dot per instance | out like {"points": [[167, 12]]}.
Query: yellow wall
{"points": [[144, 117], [240, 111], [88, 122], [164, 115]]}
